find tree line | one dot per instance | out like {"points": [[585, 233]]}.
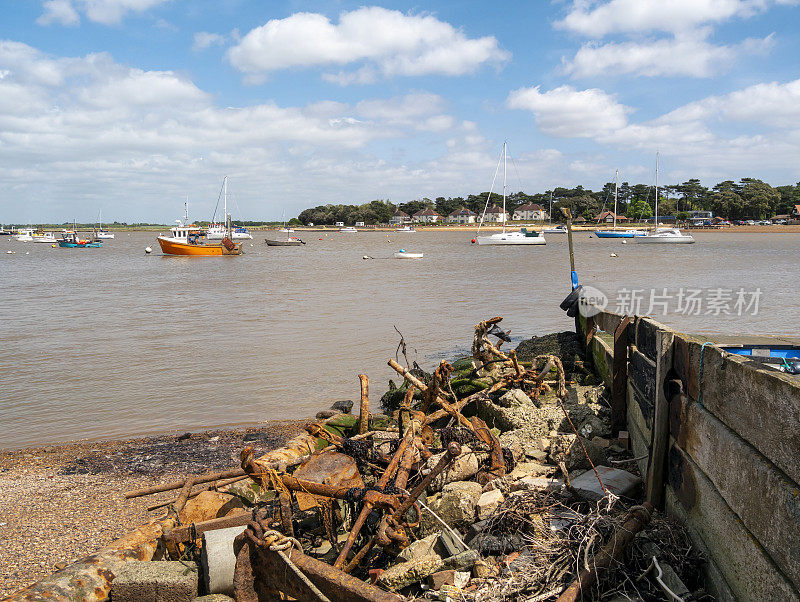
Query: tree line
{"points": [[748, 199]]}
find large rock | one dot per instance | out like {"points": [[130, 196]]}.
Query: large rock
{"points": [[405, 573], [514, 397], [456, 508], [567, 449], [470, 488], [462, 468], [420, 548], [207, 505]]}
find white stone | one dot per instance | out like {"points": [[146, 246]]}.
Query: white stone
{"points": [[488, 503]]}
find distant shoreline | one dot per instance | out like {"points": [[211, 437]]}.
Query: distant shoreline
{"points": [[772, 229]]}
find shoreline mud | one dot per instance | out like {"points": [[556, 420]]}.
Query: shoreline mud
{"points": [[62, 502]]}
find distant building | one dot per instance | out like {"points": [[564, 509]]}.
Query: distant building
{"points": [[461, 216], [795, 214], [496, 214], [399, 217], [427, 216], [608, 217], [359, 224], [698, 218], [339, 224], [530, 212]]}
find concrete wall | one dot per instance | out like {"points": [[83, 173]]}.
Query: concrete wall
{"points": [[731, 467]]}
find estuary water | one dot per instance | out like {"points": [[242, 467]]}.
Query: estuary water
{"points": [[111, 342]]}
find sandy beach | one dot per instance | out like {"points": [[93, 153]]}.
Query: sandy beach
{"points": [[63, 502]]}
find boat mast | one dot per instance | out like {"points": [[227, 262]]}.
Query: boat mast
{"points": [[504, 186], [655, 222], [616, 186]]}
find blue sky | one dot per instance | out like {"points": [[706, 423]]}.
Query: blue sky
{"points": [[130, 106]]}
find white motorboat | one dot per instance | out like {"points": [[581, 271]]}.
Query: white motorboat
{"points": [[663, 235], [403, 254], [45, 237], [347, 229], [405, 229], [560, 229], [25, 234], [522, 237]]}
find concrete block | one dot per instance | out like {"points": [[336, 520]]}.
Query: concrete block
{"points": [[161, 581], [488, 503], [619, 482], [214, 598], [218, 560]]}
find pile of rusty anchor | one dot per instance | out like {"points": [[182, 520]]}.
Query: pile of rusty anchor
{"points": [[437, 498]]}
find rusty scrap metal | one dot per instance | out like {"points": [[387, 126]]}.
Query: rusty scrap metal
{"points": [[636, 520], [367, 508], [453, 451]]}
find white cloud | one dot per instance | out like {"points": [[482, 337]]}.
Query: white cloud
{"points": [[597, 19], [685, 55], [204, 39], [710, 136], [565, 112], [58, 11], [389, 42], [78, 128], [107, 12]]}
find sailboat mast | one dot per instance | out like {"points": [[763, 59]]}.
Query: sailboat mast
{"points": [[616, 186], [225, 187], [655, 222], [504, 187]]}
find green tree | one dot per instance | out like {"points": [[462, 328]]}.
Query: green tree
{"points": [[639, 209], [760, 199], [725, 201]]}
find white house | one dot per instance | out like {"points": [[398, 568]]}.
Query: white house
{"points": [[399, 217], [427, 216], [339, 224], [496, 214], [530, 212], [461, 216]]}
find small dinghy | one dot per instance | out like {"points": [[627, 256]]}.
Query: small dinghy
{"points": [[403, 254]]}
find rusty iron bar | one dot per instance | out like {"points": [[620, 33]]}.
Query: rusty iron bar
{"points": [[363, 415], [184, 533], [198, 490], [367, 508], [453, 451], [405, 466], [513, 355], [498, 465], [636, 520]]}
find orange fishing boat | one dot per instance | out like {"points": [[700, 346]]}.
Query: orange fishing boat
{"points": [[189, 240]]}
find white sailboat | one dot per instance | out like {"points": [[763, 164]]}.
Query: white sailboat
{"points": [[663, 235], [520, 237], [218, 231], [103, 233], [614, 233]]}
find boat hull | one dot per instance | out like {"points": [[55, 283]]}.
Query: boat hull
{"points": [[617, 233], [77, 245], [283, 243], [495, 239], [400, 255], [172, 247], [664, 240]]}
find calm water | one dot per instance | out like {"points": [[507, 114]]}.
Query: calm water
{"points": [[103, 343]]}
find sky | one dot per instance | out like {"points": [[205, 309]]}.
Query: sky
{"points": [[130, 107]]}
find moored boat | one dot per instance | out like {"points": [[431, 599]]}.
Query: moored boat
{"points": [[521, 237], [69, 239], [347, 229], [25, 234], [45, 237], [663, 235], [403, 254], [291, 241], [188, 239], [405, 229], [560, 229]]}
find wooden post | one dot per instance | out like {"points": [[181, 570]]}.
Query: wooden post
{"points": [[619, 378], [660, 432], [568, 214], [363, 422]]}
